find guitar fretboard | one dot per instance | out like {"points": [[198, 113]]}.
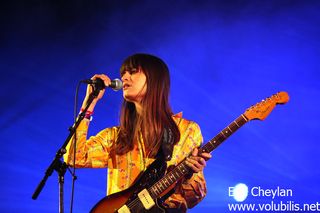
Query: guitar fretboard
{"points": [[182, 169], [224, 134]]}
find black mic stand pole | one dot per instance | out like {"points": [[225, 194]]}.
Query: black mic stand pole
{"points": [[57, 164]]}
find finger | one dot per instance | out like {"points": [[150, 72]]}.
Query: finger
{"points": [[195, 152], [193, 162], [196, 163], [201, 161], [192, 166], [106, 80], [206, 156]]}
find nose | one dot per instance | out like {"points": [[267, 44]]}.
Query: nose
{"points": [[125, 76]]}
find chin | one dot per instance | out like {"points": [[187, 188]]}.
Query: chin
{"points": [[128, 98]]}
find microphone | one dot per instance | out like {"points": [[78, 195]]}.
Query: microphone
{"points": [[116, 84]]}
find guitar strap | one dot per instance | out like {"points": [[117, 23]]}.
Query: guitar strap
{"points": [[167, 144]]}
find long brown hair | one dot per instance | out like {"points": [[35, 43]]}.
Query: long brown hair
{"points": [[157, 113]]}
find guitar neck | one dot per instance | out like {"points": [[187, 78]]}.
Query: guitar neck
{"points": [[224, 134], [182, 169]]}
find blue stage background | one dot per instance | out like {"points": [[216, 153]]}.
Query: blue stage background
{"points": [[224, 56]]}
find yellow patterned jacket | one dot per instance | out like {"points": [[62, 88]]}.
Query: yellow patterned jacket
{"points": [[124, 169]]}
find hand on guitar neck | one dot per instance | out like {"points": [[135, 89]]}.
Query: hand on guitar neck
{"points": [[197, 162]]}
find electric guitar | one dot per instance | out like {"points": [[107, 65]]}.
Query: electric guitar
{"points": [[153, 184]]}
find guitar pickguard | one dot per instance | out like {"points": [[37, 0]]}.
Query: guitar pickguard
{"points": [[153, 173]]}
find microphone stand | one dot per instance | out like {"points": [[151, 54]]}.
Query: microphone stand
{"points": [[57, 164]]}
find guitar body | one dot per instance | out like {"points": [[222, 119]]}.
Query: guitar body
{"points": [[129, 197], [112, 202]]}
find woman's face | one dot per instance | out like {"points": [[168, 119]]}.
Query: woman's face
{"points": [[134, 85]]}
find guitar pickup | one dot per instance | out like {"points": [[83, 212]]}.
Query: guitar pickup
{"points": [[146, 199], [124, 209]]}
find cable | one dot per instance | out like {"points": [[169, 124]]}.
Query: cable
{"points": [[73, 173]]}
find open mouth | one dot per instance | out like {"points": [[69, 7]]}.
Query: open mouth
{"points": [[125, 86]]}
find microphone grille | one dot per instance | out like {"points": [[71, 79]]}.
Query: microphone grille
{"points": [[117, 84]]}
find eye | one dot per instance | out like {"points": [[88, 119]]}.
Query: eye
{"points": [[124, 72], [133, 71]]}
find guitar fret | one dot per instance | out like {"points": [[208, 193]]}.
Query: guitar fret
{"points": [[154, 189], [220, 138], [158, 187], [174, 175], [169, 180], [227, 131], [233, 126], [241, 120], [161, 186], [179, 169], [185, 168], [152, 192], [209, 147], [204, 149], [211, 144], [166, 182], [163, 183], [170, 176], [178, 172], [174, 172], [236, 123], [244, 117]]}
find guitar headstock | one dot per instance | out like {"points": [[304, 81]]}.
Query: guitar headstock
{"points": [[262, 109]]}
